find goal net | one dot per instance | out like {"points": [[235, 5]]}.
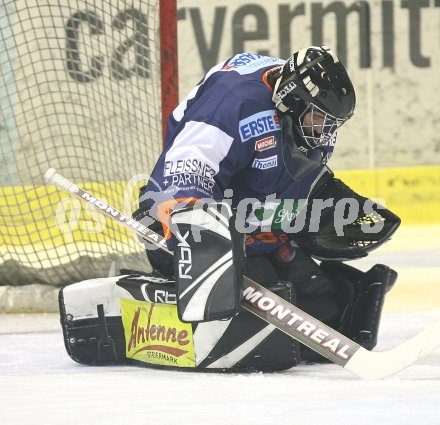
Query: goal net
{"points": [[80, 91]]}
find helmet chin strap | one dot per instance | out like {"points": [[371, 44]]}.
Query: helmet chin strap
{"points": [[302, 166]]}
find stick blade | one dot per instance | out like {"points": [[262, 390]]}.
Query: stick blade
{"points": [[376, 365]]}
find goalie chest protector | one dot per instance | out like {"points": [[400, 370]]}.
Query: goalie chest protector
{"points": [[132, 319]]}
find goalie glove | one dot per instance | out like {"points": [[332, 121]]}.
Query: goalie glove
{"points": [[208, 256], [335, 234]]}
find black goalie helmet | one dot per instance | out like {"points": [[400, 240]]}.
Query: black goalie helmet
{"points": [[315, 90]]}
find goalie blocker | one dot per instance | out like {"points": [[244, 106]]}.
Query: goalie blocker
{"points": [[208, 262]]}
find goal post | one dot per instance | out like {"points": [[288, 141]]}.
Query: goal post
{"points": [[85, 87], [168, 59]]}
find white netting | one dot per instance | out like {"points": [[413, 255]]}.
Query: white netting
{"points": [[79, 92]]}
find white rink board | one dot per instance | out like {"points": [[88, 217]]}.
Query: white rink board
{"points": [[394, 124]]}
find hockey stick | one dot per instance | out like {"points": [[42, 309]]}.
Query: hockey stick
{"points": [[286, 317]]}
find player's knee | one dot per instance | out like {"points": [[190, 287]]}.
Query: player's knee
{"points": [[325, 308], [260, 269], [315, 291]]}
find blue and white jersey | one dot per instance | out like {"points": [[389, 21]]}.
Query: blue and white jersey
{"points": [[224, 142]]}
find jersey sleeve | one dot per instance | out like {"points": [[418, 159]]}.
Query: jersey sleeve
{"points": [[205, 152], [201, 161]]}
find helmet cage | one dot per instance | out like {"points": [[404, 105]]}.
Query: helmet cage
{"points": [[321, 127], [314, 81]]}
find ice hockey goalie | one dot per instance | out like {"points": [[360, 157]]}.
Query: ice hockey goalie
{"points": [[234, 192]]}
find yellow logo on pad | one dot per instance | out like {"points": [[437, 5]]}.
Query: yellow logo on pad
{"points": [[154, 334]]}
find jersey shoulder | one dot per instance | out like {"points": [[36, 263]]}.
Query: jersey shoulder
{"points": [[250, 63], [235, 91]]}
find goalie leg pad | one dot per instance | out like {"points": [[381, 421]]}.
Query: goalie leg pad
{"points": [[339, 295], [132, 319], [208, 256], [362, 299]]}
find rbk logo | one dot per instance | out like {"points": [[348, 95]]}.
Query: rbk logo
{"points": [[185, 260]]}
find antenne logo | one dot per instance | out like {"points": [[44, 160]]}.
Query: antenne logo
{"points": [[154, 334]]}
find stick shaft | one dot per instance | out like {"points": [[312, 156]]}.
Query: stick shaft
{"points": [[51, 176]]}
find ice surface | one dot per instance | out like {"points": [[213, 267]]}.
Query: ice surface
{"points": [[41, 385]]}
